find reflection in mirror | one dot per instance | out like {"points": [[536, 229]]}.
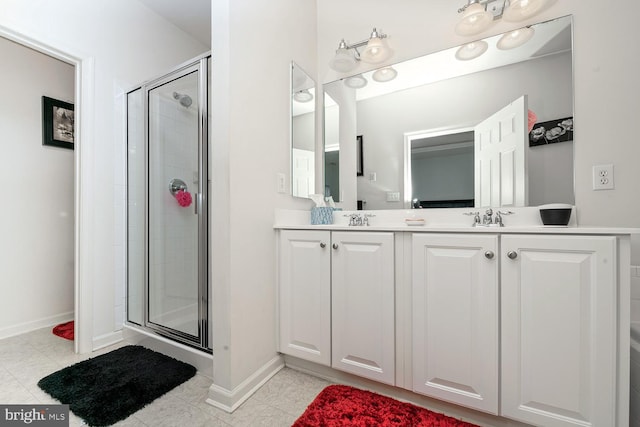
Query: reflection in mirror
{"points": [[440, 169], [437, 95], [302, 133], [331, 149]]}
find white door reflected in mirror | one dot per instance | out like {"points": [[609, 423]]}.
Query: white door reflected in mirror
{"points": [[500, 157]]}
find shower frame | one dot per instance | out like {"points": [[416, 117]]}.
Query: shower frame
{"points": [[198, 64]]}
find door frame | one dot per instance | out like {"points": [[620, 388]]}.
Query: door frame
{"points": [[83, 182]]}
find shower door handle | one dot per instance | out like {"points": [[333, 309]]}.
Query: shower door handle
{"points": [[197, 201]]}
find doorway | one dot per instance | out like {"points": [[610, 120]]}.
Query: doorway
{"points": [[78, 299]]}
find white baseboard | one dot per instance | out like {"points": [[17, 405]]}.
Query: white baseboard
{"points": [[10, 331], [106, 340], [230, 400]]}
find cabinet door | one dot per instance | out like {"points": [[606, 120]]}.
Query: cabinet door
{"points": [[559, 330], [363, 339], [455, 318], [305, 295]]}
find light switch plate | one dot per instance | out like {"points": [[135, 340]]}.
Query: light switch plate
{"points": [[282, 183]]}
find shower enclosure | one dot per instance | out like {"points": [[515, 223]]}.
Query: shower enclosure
{"points": [[167, 286]]}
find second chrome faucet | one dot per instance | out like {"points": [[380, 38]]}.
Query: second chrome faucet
{"points": [[357, 219], [488, 219]]}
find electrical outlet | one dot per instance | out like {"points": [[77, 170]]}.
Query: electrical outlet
{"points": [[603, 177]]}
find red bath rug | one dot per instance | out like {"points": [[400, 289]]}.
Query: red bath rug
{"points": [[64, 330], [340, 405]]}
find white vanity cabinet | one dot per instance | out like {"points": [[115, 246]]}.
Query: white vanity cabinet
{"points": [[529, 325], [559, 317], [455, 314], [336, 300], [362, 303], [305, 294]]}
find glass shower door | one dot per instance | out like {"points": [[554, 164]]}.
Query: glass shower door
{"points": [[175, 209]]}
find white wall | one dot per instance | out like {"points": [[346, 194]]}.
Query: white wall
{"points": [[128, 44], [254, 43], [36, 222]]}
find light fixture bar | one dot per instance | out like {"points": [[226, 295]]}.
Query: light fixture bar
{"points": [[374, 34], [375, 51]]}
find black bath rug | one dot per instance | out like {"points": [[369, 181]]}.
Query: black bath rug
{"points": [[108, 388]]}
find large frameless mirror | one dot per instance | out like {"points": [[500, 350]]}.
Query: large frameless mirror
{"points": [[303, 120], [421, 120]]}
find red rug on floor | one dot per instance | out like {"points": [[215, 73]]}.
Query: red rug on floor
{"points": [[64, 330], [340, 405]]}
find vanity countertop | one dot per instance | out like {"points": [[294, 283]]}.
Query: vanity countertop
{"points": [[522, 221], [541, 229]]}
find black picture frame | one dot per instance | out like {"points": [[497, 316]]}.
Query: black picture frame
{"points": [[359, 156], [58, 123], [559, 130]]}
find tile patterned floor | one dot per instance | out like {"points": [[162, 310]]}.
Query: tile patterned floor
{"points": [[25, 359]]}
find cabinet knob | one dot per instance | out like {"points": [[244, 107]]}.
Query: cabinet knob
{"points": [[512, 254], [335, 246], [323, 245], [489, 254]]}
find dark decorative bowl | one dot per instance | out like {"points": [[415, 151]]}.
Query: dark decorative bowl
{"points": [[555, 214]]}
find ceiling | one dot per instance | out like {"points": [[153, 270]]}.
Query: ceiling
{"points": [[191, 16]]}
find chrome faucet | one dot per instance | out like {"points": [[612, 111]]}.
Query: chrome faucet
{"points": [[476, 217], [365, 221], [498, 219], [357, 219], [354, 219], [486, 218]]}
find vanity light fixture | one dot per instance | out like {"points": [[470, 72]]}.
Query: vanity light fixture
{"points": [[475, 19], [343, 61], [515, 38], [375, 51], [519, 10], [471, 50], [479, 15], [385, 74], [356, 82], [303, 96]]}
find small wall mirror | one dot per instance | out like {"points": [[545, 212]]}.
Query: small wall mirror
{"points": [[303, 101], [414, 118]]}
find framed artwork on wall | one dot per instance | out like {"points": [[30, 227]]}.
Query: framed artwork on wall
{"points": [[359, 164], [57, 123], [550, 132]]}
